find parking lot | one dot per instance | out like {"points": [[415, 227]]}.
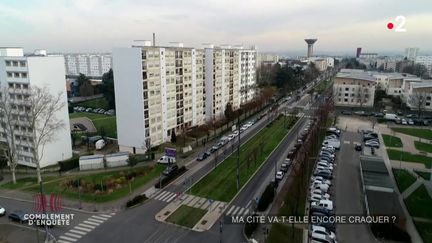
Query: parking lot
{"points": [[348, 191]]}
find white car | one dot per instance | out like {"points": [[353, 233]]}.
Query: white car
{"points": [[404, 122], [235, 133], [325, 164], [374, 144], [321, 186], [410, 122], [321, 230], [279, 175], [320, 167], [319, 179], [2, 211], [325, 203], [321, 193], [315, 198]]}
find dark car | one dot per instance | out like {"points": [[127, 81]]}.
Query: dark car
{"points": [[284, 167], [327, 225], [321, 210], [358, 147], [170, 169], [379, 114], [202, 156], [214, 148], [325, 175], [18, 216], [346, 113]]}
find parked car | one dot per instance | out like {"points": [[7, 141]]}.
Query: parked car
{"points": [[358, 147], [2, 211], [322, 230], [410, 122], [17, 215], [346, 113], [284, 167], [321, 238], [360, 113], [170, 169], [279, 175], [166, 160], [322, 210], [202, 156], [326, 203], [404, 121], [373, 144], [324, 175], [214, 148], [327, 225]]}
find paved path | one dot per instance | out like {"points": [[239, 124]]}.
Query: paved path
{"points": [[411, 189]]}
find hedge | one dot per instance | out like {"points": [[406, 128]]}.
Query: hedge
{"points": [[266, 198], [249, 228], [136, 200], [167, 179], [69, 164]]}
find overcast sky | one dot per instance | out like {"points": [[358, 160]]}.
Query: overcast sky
{"points": [[271, 25]]}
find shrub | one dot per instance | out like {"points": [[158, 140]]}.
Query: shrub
{"points": [[266, 198], [167, 179], [69, 164], [249, 228], [136, 200]]}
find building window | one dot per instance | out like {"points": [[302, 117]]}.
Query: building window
{"points": [[22, 64], [8, 63], [9, 74]]}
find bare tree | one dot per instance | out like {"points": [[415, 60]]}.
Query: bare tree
{"points": [[42, 120], [9, 119], [418, 101]]}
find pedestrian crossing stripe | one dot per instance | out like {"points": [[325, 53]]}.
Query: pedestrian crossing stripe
{"points": [[237, 210], [84, 228]]}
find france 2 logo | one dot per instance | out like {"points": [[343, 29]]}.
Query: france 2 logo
{"points": [[40, 203]]}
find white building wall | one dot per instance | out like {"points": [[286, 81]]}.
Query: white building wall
{"points": [[47, 72], [128, 87]]}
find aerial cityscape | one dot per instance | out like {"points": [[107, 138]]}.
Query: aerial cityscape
{"points": [[216, 121]]}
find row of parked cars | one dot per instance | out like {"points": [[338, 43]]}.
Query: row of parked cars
{"points": [[398, 118], [110, 112], [224, 140], [293, 151], [370, 139], [320, 195]]}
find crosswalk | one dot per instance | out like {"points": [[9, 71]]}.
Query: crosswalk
{"points": [[237, 211], [84, 228], [165, 196]]}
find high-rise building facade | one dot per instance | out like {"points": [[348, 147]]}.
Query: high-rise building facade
{"points": [[19, 72], [92, 65], [165, 89], [425, 61], [411, 53]]}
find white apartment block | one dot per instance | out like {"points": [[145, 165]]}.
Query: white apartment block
{"points": [[387, 64], [266, 59], [426, 61], [159, 90], [420, 95], [411, 53], [92, 65], [165, 89], [19, 73], [354, 88], [230, 77]]}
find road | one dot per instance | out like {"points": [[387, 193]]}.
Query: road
{"points": [[349, 196]]}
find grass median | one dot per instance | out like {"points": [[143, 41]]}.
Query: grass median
{"points": [[408, 157], [416, 132], [392, 141], [425, 147], [403, 179], [221, 183], [100, 121], [186, 216], [419, 203]]}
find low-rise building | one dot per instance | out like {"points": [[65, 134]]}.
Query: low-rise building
{"points": [[354, 88]]}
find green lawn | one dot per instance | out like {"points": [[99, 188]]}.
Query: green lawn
{"points": [[107, 123], [419, 203], [221, 184], [425, 175], [25, 182], [95, 103], [284, 233], [425, 147], [416, 132], [58, 186], [186, 216], [408, 157], [403, 179], [425, 231], [392, 141]]}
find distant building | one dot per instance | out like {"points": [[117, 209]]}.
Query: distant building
{"points": [[420, 95], [92, 65], [19, 73], [354, 88], [367, 55], [359, 49], [266, 59], [322, 63], [387, 64], [426, 61], [411, 53]]}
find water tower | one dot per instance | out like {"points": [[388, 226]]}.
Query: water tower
{"points": [[310, 43]]}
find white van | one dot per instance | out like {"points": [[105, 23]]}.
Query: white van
{"points": [[166, 160], [327, 204], [332, 142]]}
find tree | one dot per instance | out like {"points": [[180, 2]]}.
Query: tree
{"points": [[42, 120], [86, 89], [418, 101], [108, 88], [9, 118], [229, 113], [173, 136], [417, 69]]}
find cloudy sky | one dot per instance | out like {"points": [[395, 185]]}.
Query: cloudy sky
{"points": [[271, 25]]}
